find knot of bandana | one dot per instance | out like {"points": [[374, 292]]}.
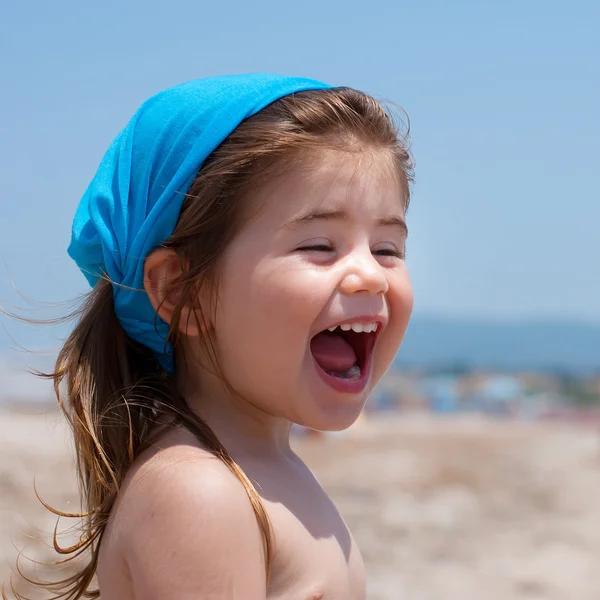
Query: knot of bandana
{"points": [[133, 202]]}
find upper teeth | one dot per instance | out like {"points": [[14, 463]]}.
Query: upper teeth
{"points": [[357, 327]]}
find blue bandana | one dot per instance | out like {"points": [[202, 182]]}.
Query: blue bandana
{"points": [[133, 203]]}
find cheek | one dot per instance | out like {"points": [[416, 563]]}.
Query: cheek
{"points": [[262, 333], [283, 293], [400, 300], [404, 299], [265, 316]]}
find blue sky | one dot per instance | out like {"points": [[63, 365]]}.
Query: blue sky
{"points": [[503, 99]]}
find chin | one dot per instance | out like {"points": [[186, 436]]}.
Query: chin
{"points": [[335, 418]]}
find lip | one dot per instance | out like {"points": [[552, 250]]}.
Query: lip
{"points": [[354, 386]]}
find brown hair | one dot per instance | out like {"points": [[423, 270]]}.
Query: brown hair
{"points": [[110, 387]]}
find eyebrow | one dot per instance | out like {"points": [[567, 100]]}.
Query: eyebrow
{"points": [[340, 215]]}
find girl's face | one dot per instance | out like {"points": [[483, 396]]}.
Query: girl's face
{"points": [[324, 248]]}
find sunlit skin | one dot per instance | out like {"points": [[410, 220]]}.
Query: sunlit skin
{"points": [[325, 244]]}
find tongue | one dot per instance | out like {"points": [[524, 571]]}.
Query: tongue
{"points": [[332, 352]]}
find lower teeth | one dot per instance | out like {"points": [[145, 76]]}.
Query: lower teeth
{"points": [[351, 373]]}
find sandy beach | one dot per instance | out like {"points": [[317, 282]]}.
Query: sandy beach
{"points": [[443, 509]]}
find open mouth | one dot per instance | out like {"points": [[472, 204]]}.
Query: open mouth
{"points": [[344, 353]]}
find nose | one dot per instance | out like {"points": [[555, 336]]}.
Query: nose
{"points": [[363, 274]]}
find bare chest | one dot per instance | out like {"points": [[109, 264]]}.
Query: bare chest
{"points": [[315, 556]]}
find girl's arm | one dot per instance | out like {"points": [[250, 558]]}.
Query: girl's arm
{"points": [[189, 532]]}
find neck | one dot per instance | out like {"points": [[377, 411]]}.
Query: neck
{"points": [[241, 426]]}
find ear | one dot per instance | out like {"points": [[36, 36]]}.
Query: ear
{"points": [[162, 281]]}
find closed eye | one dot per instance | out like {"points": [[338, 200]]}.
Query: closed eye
{"points": [[324, 248], [317, 248], [389, 252]]}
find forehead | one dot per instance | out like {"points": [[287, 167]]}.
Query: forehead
{"points": [[362, 183]]}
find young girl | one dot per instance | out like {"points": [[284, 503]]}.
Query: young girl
{"points": [[244, 237]]}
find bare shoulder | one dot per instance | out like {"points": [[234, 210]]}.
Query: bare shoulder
{"points": [[185, 526]]}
